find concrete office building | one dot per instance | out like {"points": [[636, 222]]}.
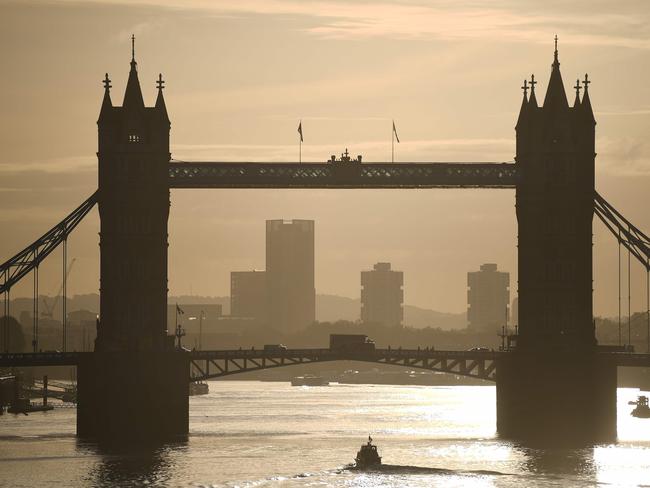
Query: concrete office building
{"points": [[248, 294], [382, 295], [290, 274], [488, 298]]}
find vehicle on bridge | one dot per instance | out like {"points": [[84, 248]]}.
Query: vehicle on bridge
{"points": [[351, 343], [274, 347]]}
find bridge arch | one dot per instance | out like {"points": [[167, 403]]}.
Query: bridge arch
{"points": [[216, 364]]}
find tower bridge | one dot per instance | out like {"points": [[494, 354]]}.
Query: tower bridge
{"points": [[556, 382]]}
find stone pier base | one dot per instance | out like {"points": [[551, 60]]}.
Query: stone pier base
{"points": [[133, 396], [563, 398]]}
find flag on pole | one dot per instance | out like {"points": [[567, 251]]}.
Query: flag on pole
{"points": [[300, 130], [179, 310], [395, 131]]}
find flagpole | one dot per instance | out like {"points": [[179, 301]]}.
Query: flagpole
{"points": [[300, 142], [392, 143]]}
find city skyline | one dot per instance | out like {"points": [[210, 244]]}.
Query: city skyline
{"points": [[439, 105], [202, 138]]}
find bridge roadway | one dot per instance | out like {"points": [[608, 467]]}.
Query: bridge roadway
{"points": [[215, 364], [340, 174]]}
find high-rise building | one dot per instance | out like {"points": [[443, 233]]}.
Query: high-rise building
{"points": [[382, 295], [488, 298], [290, 274], [248, 294]]}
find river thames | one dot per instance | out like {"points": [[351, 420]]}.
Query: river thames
{"points": [[260, 434]]}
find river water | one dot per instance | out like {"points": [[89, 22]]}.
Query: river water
{"points": [[256, 434]]}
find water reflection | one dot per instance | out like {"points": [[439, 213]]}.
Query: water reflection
{"points": [[134, 464], [559, 461]]}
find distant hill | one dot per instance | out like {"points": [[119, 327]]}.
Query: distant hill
{"points": [[330, 308], [424, 317]]}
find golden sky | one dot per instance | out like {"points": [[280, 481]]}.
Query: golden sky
{"points": [[241, 74]]}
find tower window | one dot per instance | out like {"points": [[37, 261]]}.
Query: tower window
{"points": [[134, 138]]}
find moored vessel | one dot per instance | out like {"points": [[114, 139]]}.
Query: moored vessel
{"points": [[642, 410], [309, 380], [199, 388]]}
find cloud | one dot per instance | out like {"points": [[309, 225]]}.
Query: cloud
{"points": [[623, 156], [71, 164], [478, 150], [445, 20], [623, 112]]}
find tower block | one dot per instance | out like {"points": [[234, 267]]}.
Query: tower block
{"points": [[571, 393], [135, 363]]}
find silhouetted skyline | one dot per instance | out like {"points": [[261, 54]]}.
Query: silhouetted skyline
{"points": [[449, 97]]}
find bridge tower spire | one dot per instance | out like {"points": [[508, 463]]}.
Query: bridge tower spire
{"points": [[576, 394], [134, 206], [133, 350], [555, 210]]}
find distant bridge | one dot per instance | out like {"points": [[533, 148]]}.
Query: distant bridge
{"points": [[216, 364]]}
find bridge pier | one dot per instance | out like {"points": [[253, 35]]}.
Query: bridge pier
{"points": [[133, 396], [568, 398]]}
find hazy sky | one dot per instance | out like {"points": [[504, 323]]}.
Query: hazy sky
{"points": [[240, 75]]}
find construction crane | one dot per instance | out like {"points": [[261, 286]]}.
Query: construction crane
{"points": [[49, 310]]}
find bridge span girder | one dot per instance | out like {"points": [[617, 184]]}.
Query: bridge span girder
{"points": [[216, 364], [341, 175]]}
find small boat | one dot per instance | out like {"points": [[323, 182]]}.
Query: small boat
{"points": [[199, 388], [642, 410], [309, 380], [367, 457]]}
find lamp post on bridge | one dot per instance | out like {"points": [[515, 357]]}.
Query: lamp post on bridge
{"points": [[201, 317]]}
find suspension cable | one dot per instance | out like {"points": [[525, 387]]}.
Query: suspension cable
{"points": [[5, 309], [65, 293], [619, 287], [629, 296], [26, 260], [35, 312]]}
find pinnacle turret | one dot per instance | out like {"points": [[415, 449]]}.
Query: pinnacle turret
{"points": [[533, 98], [586, 102], [524, 103], [160, 99], [107, 104], [133, 93], [555, 94], [576, 102]]}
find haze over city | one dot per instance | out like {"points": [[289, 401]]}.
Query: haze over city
{"points": [[239, 78], [244, 240]]}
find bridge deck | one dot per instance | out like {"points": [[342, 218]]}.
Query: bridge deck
{"points": [[214, 364], [341, 175]]}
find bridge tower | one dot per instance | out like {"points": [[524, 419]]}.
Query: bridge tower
{"points": [[135, 362], [554, 382]]}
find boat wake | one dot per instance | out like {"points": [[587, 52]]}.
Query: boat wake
{"points": [[405, 469]]}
